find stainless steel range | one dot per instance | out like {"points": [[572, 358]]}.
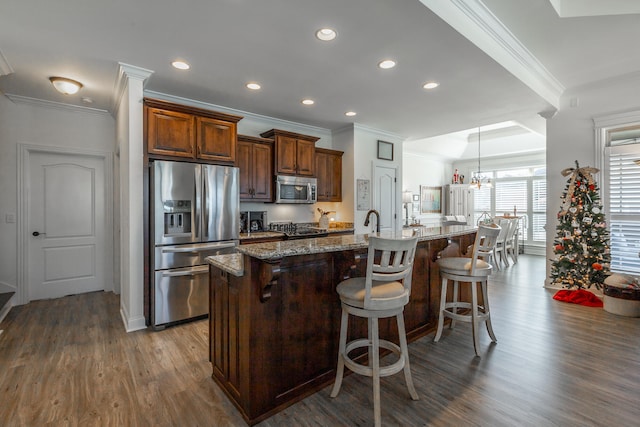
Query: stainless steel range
{"points": [[195, 211]]}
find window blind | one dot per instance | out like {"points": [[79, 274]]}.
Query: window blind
{"points": [[539, 208], [624, 207], [526, 189]]}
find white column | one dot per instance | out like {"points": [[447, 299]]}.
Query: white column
{"points": [[129, 123]]}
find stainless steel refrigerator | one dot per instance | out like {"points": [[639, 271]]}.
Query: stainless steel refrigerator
{"points": [[195, 213]]}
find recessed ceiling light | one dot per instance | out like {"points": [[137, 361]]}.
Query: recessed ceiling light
{"points": [[430, 85], [308, 101], [180, 65], [386, 64], [350, 113], [326, 34], [65, 86], [253, 86]]}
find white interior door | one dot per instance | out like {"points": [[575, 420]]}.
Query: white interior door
{"points": [[385, 196], [67, 225]]}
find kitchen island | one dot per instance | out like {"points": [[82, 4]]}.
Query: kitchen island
{"points": [[275, 314]]}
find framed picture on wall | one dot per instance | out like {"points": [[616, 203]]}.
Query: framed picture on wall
{"points": [[385, 150], [430, 199]]}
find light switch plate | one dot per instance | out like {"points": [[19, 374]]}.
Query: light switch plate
{"points": [[10, 218]]}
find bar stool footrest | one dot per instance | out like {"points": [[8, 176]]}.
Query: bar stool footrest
{"points": [[361, 369]]}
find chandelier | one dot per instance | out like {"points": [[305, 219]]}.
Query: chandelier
{"points": [[478, 179]]}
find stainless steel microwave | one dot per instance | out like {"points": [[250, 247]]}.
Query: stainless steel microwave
{"points": [[296, 189]]}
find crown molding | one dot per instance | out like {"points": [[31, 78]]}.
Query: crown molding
{"points": [[278, 123], [126, 72], [5, 67], [380, 132], [19, 99], [625, 118], [479, 25]]}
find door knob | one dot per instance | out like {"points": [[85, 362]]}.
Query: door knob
{"points": [[37, 233]]}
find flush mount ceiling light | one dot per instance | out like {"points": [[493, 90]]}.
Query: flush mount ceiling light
{"points": [[65, 86], [180, 65], [350, 113], [386, 64], [308, 101], [253, 86], [326, 34], [430, 85]]}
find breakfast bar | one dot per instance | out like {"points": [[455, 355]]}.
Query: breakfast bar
{"points": [[275, 314]]}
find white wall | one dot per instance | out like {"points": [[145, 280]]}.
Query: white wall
{"points": [[365, 156], [426, 170], [46, 124], [571, 136], [466, 167]]}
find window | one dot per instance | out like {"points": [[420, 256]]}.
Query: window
{"points": [[523, 189], [624, 205]]}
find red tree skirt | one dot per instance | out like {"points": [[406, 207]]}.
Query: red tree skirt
{"points": [[578, 296]]}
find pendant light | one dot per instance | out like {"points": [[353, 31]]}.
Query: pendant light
{"points": [[478, 179]]}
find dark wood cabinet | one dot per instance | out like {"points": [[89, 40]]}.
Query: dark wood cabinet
{"points": [[294, 152], [174, 130], [274, 330], [169, 133], [216, 139], [329, 174], [255, 160]]}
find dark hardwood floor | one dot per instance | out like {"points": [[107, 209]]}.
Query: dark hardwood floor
{"points": [[69, 362]]}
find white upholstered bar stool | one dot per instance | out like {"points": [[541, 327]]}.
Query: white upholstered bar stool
{"points": [[468, 271], [382, 293]]}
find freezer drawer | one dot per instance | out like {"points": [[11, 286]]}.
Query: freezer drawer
{"points": [[181, 294], [188, 255]]}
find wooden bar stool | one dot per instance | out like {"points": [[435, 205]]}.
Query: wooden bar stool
{"points": [[382, 293], [469, 271]]}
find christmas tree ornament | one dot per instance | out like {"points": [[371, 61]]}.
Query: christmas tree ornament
{"points": [[581, 246]]}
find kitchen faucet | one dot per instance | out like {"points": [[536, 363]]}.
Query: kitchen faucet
{"points": [[377, 214]]}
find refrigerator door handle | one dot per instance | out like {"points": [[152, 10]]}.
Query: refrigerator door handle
{"points": [[190, 272], [199, 248], [197, 213]]}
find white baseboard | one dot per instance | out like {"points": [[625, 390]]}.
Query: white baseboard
{"points": [[535, 250], [132, 324], [5, 310], [5, 287]]}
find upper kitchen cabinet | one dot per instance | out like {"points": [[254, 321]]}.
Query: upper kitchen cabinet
{"points": [[169, 132], [174, 130], [255, 160], [294, 153], [329, 174]]}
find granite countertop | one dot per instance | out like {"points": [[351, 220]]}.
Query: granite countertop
{"points": [[275, 250], [261, 235], [231, 263]]}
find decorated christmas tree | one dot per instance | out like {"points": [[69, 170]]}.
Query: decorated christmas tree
{"points": [[581, 246]]}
